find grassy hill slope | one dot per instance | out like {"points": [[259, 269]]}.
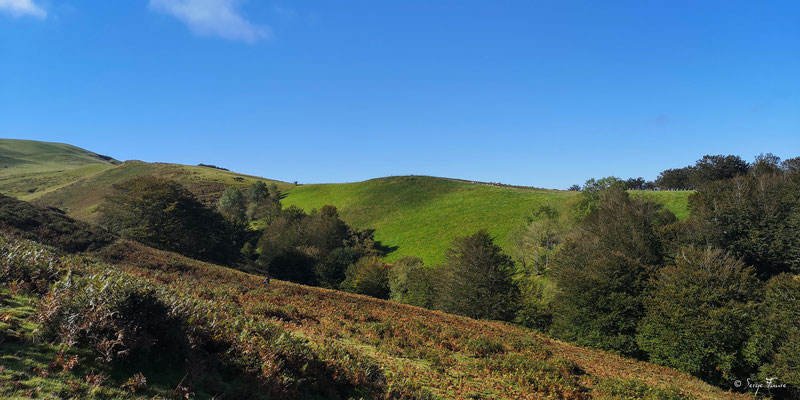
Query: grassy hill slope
{"points": [[416, 215], [421, 215], [290, 338], [34, 156]]}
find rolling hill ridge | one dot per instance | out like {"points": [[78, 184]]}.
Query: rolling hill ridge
{"points": [[415, 215]]}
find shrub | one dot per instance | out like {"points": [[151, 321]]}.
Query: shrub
{"points": [[26, 264], [50, 226], [696, 312], [117, 315]]}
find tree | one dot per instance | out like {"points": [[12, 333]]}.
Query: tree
{"points": [[774, 345], [590, 195], [716, 168], [163, 214], [330, 271], [696, 312], [674, 179], [410, 282], [274, 192], [791, 165], [233, 205], [369, 276], [257, 192], [602, 271], [766, 164], [757, 218], [574, 188], [476, 280], [635, 183], [536, 239]]}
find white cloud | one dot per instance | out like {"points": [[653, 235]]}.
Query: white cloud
{"points": [[19, 8], [212, 17]]}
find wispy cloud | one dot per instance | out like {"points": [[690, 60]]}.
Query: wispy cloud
{"points": [[19, 8], [213, 17]]}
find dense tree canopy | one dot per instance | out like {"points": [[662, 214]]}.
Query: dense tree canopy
{"points": [[476, 279], [755, 217], [603, 270], [163, 214], [696, 314]]}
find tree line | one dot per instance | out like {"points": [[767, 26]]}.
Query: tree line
{"points": [[709, 169]]}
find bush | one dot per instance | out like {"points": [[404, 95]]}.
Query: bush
{"points": [[50, 226], [368, 276], [116, 315], [696, 312], [27, 265]]}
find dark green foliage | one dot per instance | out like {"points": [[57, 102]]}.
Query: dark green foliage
{"points": [[791, 164], [775, 341], [330, 271], [705, 171], [50, 226], [369, 276], [766, 164], [674, 179], [476, 280], [592, 189], [603, 269], [232, 204], [256, 192], [410, 282], [325, 231], [716, 168], [635, 183], [536, 308], [307, 242], [294, 265], [757, 218], [696, 315], [163, 214]]}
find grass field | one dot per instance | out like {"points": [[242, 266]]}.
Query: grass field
{"points": [[421, 215], [415, 215], [31, 156]]}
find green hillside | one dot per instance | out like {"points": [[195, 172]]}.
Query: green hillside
{"points": [[421, 215], [18, 156], [414, 215]]}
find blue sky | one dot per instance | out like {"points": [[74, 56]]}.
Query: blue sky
{"points": [[541, 93]]}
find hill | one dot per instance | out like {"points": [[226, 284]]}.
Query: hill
{"points": [[421, 215], [282, 340], [415, 215]]}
